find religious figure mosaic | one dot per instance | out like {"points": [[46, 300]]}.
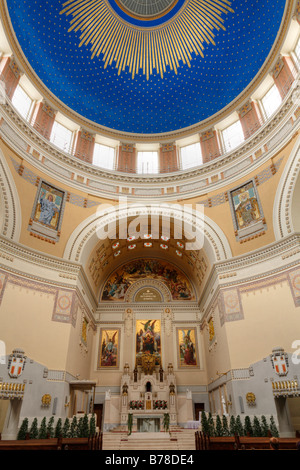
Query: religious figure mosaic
{"points": [[246, 205], [187, 355], [48, 206], [109, 348], [119, 282]]}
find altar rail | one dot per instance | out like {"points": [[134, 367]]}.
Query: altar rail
{"points": [[82, 443], [204, 442]]}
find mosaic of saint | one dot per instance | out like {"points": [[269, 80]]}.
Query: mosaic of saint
{"points": [[124, 277], [109, 348], [48, 206], [187, 347], [245, 205]]}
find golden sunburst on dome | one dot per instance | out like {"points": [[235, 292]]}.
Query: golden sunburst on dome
{"points": [[139, 49]]}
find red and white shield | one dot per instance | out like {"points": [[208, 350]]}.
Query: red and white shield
{"points": [[280, 364], [16, 367]]}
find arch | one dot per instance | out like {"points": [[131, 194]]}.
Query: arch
{"points": [[86, 235], [282, 210], [10, 209]]}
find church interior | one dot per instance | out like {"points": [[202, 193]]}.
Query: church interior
{"points": [[150, 221]]}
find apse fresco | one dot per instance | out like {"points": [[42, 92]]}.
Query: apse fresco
{"points": [[109, 348], [120, 281], [246, 207], [187, 356]]}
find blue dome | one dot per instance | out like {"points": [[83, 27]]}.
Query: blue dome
{"points": [[150, 74]]}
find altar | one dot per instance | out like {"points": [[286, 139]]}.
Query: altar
{"points": [[149, 397], [148, 424]]}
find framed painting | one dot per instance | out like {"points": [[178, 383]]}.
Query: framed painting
{"points": [[109, 348], [187, 348]]}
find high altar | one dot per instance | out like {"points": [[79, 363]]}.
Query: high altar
{"points": [[148, 393]]}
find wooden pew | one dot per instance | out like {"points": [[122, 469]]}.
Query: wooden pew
{"points": [[242, 443], [82, 443], [30, 444]]}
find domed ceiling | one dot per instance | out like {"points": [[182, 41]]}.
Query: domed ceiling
{"points": [[146, 66]]}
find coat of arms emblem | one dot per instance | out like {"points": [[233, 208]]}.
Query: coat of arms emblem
{"points": [[280, 361], [16, 363]]}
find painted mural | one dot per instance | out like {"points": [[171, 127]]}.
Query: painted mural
{"points": [[245, 204], [119, 282], [187, 356], [109, 348]]}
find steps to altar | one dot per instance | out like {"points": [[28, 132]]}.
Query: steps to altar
{"points": [[178, 439]]}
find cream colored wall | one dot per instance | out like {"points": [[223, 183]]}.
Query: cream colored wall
{"points": [[270, 320], [217, 352], [79, 355], [3, 410], [25, 322]]}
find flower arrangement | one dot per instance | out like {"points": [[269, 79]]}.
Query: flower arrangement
{"points": [[136, 405], [160, 405]]}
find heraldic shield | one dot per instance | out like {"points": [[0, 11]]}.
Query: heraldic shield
{"points": [[16, 363], [280, 361]]}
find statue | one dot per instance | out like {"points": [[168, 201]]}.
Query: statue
{"points": [[172, 389], [161, 374], [125, 389], [135, 373]]}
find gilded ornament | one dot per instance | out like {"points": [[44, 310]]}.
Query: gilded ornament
{"points": [[251, 398], [46, 400]]}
